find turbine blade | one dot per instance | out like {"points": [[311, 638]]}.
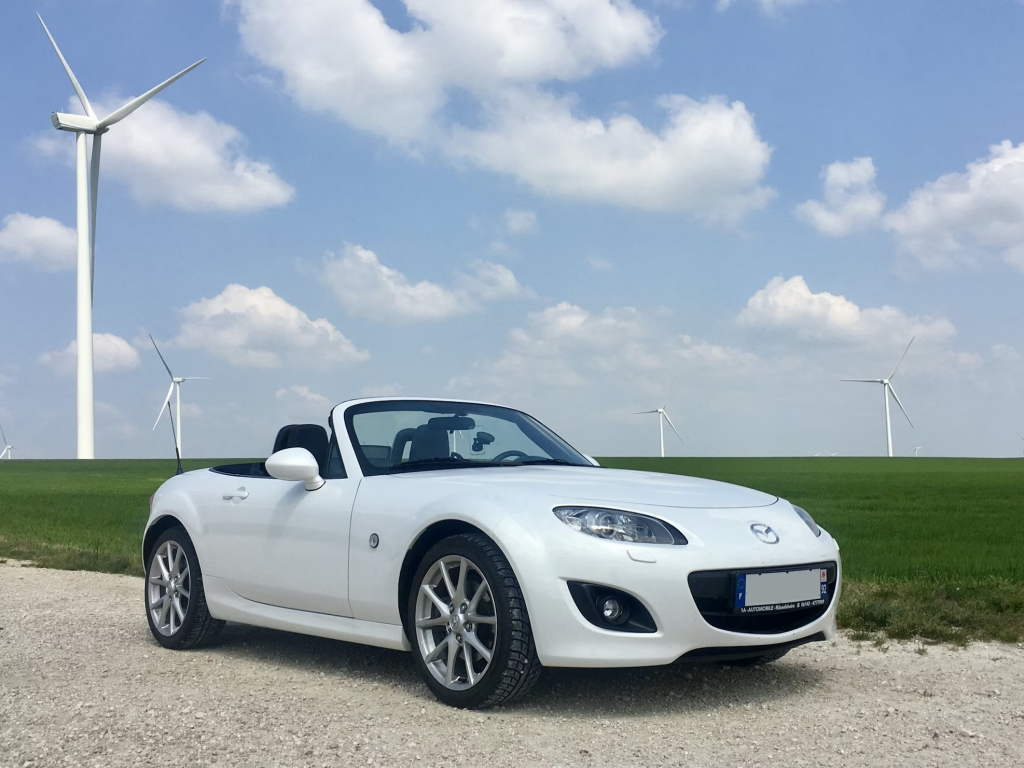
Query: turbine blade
{"points": [[164, 405], [161, 357], [120, 114], [865, 381], [94, 192], [897, 397], [194, 378], [3, 435], [74, 80], [641, 413], [673, 426], [901, 357]]}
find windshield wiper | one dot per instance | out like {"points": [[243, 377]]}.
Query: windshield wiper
{"points": [[550, 461], [442, 461]]}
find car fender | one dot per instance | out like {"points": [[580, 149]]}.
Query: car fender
{"points": [[173, 499], [387, 511]]}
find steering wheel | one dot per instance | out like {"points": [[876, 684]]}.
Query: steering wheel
{"points": [[509, 455]]}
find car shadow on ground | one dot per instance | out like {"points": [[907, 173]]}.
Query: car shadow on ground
{"points": [[560, 691]]}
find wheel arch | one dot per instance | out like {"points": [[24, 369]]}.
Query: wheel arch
{"points": [[428, 537], [154, 531]]}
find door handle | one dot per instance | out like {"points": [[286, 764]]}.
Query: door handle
{"points": [[241, 493]]}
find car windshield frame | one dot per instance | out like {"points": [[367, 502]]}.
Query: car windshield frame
{"points": [[535, 430]]}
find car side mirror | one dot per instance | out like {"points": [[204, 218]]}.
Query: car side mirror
{"points": [[591, 459], [296, 464]]}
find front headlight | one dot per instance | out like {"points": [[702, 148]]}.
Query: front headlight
{"points": [[807, 519], [616, 525]]}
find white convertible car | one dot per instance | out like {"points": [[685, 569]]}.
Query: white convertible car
{"points": [[474, 536]]}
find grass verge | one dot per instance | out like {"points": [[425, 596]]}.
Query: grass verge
{"points": [[931, 547]]}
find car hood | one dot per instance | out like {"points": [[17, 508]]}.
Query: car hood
{"points": [[602, 486]]}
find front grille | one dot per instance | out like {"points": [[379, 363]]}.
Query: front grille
{"points": [[713, 593]]}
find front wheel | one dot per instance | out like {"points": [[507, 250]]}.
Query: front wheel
{"points": [[468, 624], [175, 601]]}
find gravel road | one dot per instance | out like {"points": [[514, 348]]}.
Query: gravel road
{"points": [[82, 683]]}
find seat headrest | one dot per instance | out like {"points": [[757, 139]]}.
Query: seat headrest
{"points": [[429, 443], [312, 437]]}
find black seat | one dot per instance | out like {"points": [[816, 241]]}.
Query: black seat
{"points": [[312, 437], [402, 439], [429, 443]]}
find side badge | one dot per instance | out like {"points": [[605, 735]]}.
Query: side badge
{"points": [[374, 540]]}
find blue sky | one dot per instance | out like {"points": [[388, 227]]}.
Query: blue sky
{"points": [[583, 209]]}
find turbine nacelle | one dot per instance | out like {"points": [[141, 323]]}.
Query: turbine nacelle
{"points": [[76, 123]]}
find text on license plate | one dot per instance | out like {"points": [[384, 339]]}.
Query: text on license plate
{"points": [[781, 590]]}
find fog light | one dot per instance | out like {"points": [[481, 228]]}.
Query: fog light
{"points": [[611, 609]]}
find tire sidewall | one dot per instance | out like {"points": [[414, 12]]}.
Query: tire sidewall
{"points": [[179, 536], [464, 546]]}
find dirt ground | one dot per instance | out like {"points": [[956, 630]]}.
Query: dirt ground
{"points": [[83, 684]]}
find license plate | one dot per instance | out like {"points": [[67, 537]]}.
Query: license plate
{"points": [[781, 590]]}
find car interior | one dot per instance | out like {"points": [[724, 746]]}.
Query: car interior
{"points": [[312, 437]]}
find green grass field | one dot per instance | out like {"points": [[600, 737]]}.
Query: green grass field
{"points": [[932, 548]]}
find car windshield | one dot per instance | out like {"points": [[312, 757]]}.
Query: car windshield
{"points": [[408, 435]]}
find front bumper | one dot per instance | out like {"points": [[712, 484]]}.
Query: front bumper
{"points": [[657, 575]]}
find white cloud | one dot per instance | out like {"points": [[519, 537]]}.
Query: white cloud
{"points": [[707, 160], [767, 6], [189, 161], [109, 353], [1005, 353], [43, 242], [382, 390], [256, 328], [567, 346], [852, 201], [790, 306], [344, 59], [600, 264], [519, 221], [960, 217], [304, 395], [367, 288]]}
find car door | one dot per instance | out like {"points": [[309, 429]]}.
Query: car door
{"points": [[276, 543]]}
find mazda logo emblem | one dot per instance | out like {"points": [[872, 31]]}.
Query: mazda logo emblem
{"points": [[764, 533]]}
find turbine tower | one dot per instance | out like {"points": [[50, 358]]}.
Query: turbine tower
{"points": [[886, 391], [8, 450], [87, 185], [176, 391], [662, 418]]}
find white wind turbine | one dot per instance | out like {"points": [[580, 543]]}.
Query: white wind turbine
{"points": [[87, 186], [886, 391], [662, 418], [174, 390], [8, 450]]}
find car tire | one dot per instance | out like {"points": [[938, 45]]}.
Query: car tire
{"points": [[491, 614], [174, 597], [758, 661]]}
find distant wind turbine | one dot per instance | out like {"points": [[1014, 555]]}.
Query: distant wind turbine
{"points": [[886, 391], [662, 418], [8, 449], [87, 185], [176, 391], [917, 449]]}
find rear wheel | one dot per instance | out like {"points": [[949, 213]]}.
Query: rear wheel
{"points": [[468, 624], [175, 601]]}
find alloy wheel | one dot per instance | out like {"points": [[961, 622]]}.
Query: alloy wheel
{"points": [[456, 625], [169, 588]]}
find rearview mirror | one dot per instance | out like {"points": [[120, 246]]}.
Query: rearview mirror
{"points": [[451, 423], [296, 464]]}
